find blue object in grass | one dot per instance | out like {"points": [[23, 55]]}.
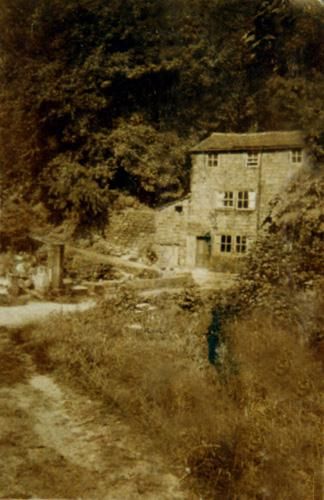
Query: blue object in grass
{"points": [[213, 338]]}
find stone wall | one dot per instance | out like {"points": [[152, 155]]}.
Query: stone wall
{"points": [[171, 233], [277, 171], [131, 231]]}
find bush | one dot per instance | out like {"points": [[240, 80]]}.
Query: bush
{"points": [[18, 220], [289, 253]]}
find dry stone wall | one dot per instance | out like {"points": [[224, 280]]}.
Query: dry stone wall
{"points": [[131, 232], [171, 234]]}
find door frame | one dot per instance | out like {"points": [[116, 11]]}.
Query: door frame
{"points": [[207, 239]]}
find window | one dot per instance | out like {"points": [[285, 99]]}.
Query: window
{"points": [[252, 159], [178, 209], [246, 200], [243, 199], [226, 243], [241, 244], [212, 160], [296, 156], [228, 200]]}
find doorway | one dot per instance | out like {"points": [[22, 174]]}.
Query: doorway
{"points": [[203, 251]]}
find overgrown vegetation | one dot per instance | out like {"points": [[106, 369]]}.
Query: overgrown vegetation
{"points": [[18, 220], [249, 429], [287, 261], [100, 99]]}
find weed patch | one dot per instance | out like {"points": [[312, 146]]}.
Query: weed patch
{"points": [[249, 429]]}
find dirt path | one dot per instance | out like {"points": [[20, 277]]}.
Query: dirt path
{"points": [[36, 311], [56, 443]]}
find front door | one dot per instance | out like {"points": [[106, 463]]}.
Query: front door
{"points": [[202, 251]]}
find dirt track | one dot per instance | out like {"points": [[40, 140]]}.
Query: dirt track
{"points": [[56, 443], [36, 311]]}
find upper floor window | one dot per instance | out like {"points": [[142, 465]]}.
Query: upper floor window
{"points": [[228, 200], [212, 160], [226, 243], [178, 209], [296, 156], [252, 159], [242, 200], [246, 200]]}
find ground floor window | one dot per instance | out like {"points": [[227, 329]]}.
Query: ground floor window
{"points": [[226, 243], [229, 243], [241, 244]]}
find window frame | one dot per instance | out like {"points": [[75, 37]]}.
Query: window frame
{"points": [[296, 155], [252, 159], [244, 200], [228, 199], [212, 160], [226, 243], [241, 244]]}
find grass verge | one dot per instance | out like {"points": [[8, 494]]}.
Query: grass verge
{"points": [[248, 430]]}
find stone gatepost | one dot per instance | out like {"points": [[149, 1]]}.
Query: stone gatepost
{"points": [[55, 264]]}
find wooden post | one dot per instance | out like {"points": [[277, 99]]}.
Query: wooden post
{"points": [[55, 264]]}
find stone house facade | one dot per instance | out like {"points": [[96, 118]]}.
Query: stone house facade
{"points": [[233, 179]]}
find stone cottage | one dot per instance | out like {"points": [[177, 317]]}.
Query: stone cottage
{"points": [[233, 179]]}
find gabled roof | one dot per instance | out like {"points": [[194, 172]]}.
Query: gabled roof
{"points": [[253, 141]]}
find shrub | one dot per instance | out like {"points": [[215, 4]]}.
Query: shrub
{"points": [[18, 220]]}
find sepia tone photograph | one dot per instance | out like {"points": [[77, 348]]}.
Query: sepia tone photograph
{"points": [[161, 249]]}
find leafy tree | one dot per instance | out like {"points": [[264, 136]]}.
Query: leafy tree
{"points": [[148, 161], [285, 67], [75, 75]]}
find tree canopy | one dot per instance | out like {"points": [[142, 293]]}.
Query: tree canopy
{"points": [[101, 97]]}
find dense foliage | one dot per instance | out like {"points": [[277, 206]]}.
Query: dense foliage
{"points": [[102, 97], [288, 255]]}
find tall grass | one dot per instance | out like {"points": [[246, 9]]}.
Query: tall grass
{"points": [[247, 430]]}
